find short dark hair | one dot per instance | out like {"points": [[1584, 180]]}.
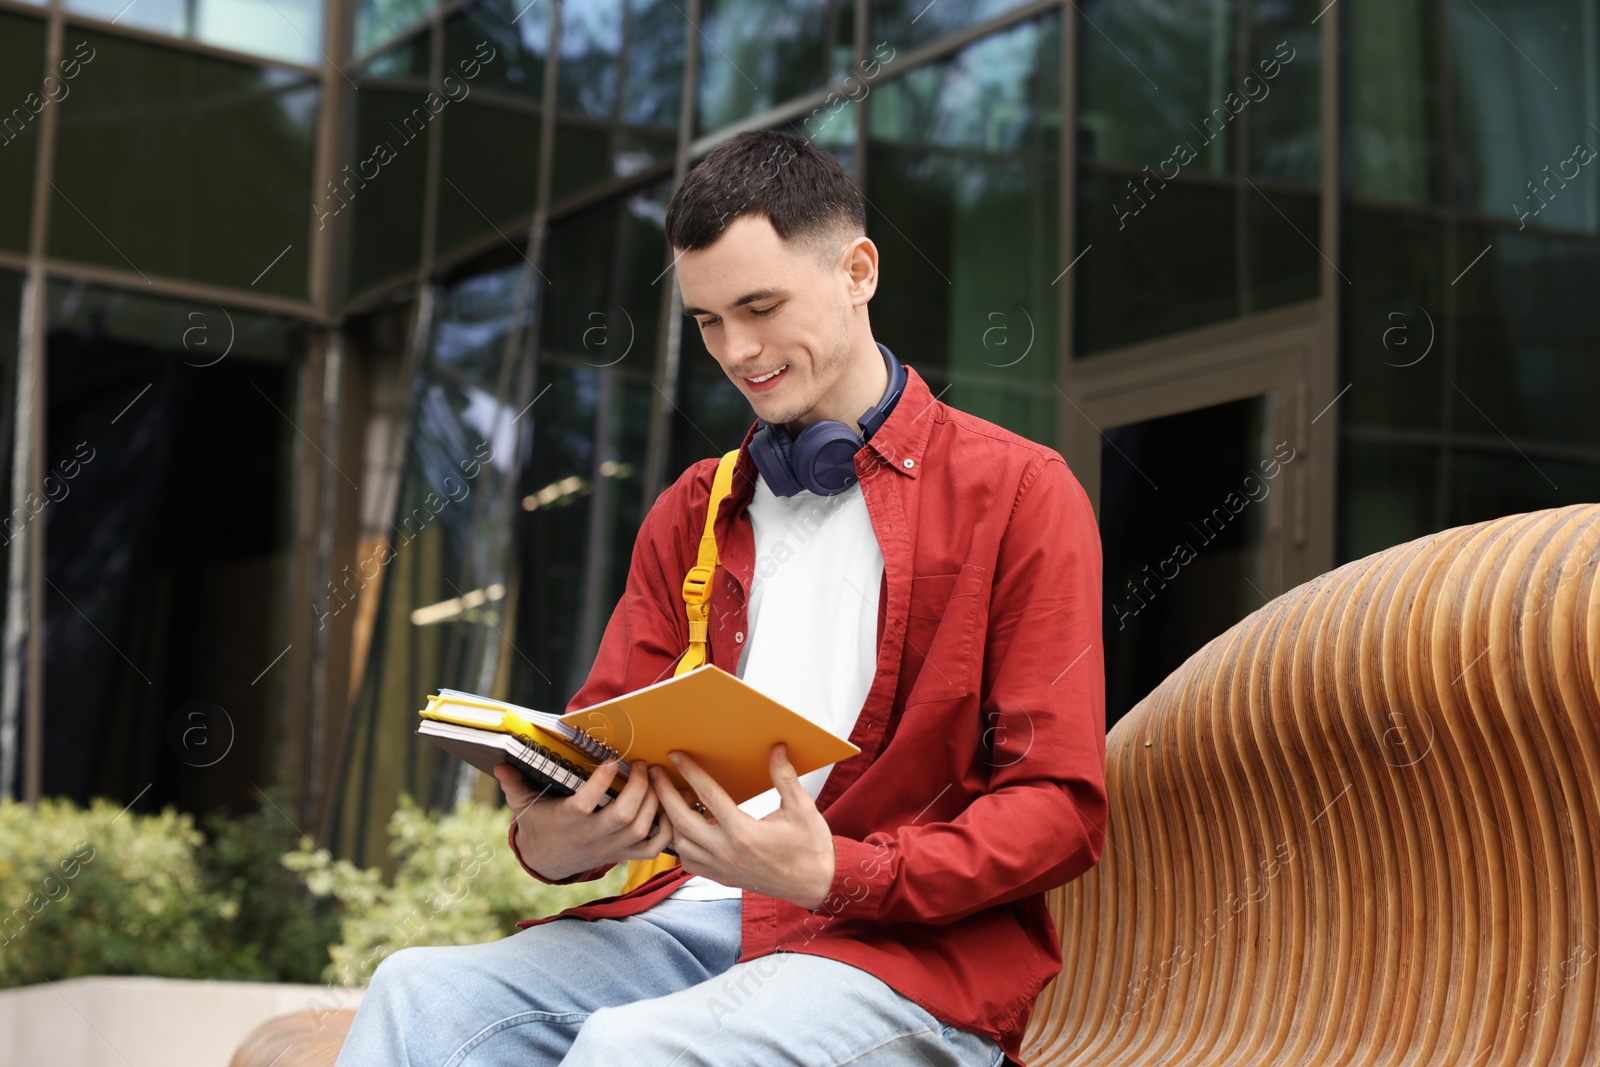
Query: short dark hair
{"points": [[802, 190]]}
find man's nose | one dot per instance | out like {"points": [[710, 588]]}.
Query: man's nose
{"points": [[743, 343]]}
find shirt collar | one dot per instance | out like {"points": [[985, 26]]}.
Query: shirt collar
{"points": [[899, 443], [903, 438]]}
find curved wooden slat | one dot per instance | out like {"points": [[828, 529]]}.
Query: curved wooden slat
{"points": [[303, 1039], [1359, 827]]}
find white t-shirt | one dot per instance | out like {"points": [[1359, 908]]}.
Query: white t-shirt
{"points": [[813, 622]]}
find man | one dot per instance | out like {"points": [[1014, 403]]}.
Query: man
{"points": [[935, 596]]}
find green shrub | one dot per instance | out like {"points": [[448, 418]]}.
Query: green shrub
{"points": [[95, 891], [455, 883], [100, 890], [278, 931]]}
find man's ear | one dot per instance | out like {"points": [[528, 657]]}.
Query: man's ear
{"points": [[860, 258]]}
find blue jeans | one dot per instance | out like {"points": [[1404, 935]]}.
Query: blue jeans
{"points": [[655, 989]]}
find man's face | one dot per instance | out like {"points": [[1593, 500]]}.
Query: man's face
{"points": [[764, 306]]}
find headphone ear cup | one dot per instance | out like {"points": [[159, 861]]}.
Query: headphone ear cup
{"points": [[824, 457], [773, 460]]}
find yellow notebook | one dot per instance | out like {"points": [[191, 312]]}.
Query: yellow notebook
{"points": [[727, 726]]}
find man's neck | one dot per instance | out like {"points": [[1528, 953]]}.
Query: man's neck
{"points": [[865, 381]]}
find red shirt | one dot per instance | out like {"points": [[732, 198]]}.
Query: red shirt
{"points": [[981, 778]]}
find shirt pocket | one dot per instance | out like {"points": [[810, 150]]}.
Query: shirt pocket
{"points": [[944, 633], [930, 593]]}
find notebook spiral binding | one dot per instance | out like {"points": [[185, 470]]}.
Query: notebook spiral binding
{"points": [[592, 746]]}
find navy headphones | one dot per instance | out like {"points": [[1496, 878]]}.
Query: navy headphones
{"points": [[822, 458]]}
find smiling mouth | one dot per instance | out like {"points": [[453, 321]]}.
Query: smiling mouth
{"points": [[768, 376]]}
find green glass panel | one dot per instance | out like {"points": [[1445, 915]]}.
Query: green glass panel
{"points": [[909, 23], [200, 334], [213, 165], [1284, 264], [1487, 485], [1285, 111], [280, 29], [391, 152], [600, 135], [652, 89], [1528, 339], [442, 613], [963, 191], [409, 59], [583, 500], [471, 326], [602, 319], [583, 156], [1527, 113], [290, 30], [1393, 350], [379, 21], [1145, 272], [1394, 141], [1387, 495], [591, 50], [24, 96], [758, 53], [1155, 75], [508, 40], [475, 200], [1180, 103]]}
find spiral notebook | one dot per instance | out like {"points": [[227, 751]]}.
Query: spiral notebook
{"points": [[727, 726]]}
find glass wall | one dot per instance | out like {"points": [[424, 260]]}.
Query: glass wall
{"points": [[23, 97], [618, 91], [443, 566], [963, 185], [289, 30], [1199, 155], [583, 487], [1472, 254], [212, 161], [382, 189], [1468, 228], [758, 53]]}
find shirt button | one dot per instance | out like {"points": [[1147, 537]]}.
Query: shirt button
{"points": [[739, 637], [909, 463]]}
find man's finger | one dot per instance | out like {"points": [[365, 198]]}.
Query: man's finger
{"points": [[785, 779], [591, 792], [663, 835], [689, 825], [705, 787], [514, 787]]}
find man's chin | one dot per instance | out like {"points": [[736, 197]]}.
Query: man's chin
{"points": [[777, 416]]}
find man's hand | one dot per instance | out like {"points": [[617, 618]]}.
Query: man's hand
{"points": [[563, 836], [788, 854]]}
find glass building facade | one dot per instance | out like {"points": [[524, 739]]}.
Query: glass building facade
{"points": [[340, 353]]}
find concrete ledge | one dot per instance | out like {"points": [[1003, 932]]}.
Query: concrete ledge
{"points": [[147, 1022]]}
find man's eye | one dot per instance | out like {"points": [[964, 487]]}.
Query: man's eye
{"points": [[765, 311], [708, 323]]}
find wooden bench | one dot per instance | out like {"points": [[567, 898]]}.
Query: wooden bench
{"points": [[1359, 827]]}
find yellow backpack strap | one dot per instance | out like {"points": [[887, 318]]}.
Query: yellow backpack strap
{"points": [[697, 583], [696, 603]]}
